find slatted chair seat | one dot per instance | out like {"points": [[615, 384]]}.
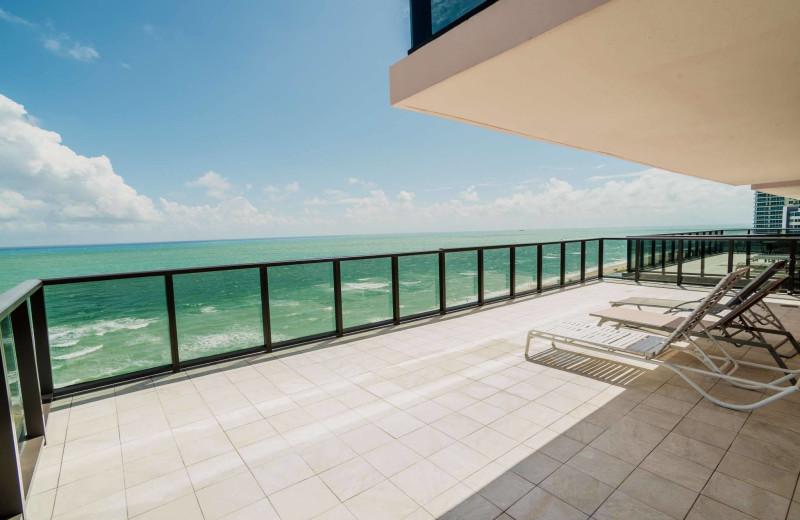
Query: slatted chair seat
{"points": [[633, 342]]}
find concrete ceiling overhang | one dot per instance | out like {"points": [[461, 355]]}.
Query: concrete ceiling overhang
{"points": [[709, 88]]}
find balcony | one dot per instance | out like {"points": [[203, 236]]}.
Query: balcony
{"points": [[436, 419], [423, 407]]}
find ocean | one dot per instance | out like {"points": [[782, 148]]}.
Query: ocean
{"points": [[101, 329]]}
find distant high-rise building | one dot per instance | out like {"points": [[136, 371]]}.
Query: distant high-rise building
{"points": [[773, 211]]}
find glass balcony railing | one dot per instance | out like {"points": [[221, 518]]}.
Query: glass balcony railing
{"points": [[217, 312], [62, 336], [430, 18], [11, 371], [103, 328], [115, 327]]}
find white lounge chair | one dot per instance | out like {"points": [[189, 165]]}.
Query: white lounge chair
{"points": [[650, 348], [742, 317]]}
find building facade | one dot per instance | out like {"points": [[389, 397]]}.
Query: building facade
{"points": [[773, 211]]}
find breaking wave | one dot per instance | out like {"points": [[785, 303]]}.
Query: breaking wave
{"points": [[78, 354], [70, 335]]}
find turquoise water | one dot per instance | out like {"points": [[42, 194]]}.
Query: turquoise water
{"points": [[100, 329]]}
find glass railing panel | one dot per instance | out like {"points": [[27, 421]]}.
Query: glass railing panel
{"points": [[656, 269], [616, 257], [366, 291], [12, 378], [419, 284], [707, 262], [572, 268], [461, 271], [551, 265], [591, 258], [525, 268], [761, 254], [496, 273], [445, 12], [218, 312], [107, 328], [301, 300]]}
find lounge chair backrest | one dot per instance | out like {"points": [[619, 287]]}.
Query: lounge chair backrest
{"points": [[746, 291], [754, 299], [706, 304]]}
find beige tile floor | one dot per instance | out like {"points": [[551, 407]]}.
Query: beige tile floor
{"points": [[438, 420]]}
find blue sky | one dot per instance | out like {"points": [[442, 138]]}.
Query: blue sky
{"points": [[254, 118]]}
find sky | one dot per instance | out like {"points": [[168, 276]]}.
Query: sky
{"points": [[165, 120]]}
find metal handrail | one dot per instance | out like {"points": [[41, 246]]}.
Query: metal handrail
{"points": [[283, 263]]}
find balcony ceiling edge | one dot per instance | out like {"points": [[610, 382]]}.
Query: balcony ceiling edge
{"points": [[706, 89]]}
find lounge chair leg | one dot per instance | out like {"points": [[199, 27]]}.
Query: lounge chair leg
{"points": [[779, 361]]}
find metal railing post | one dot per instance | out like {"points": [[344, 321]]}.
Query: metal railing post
{"points": [[563, 266], [538, 267], [679, 261], [266, 322], [442, 284], [337, 297], [792, 266], [395, 290], [663, 257], [702, 259], [28, 373], [480, 276], [630, 248], [600, 244], [730, 255], [512, 272], [583, 260], [12, 496], [652, 253], [41, 341], [637, 261], [172, 321]]}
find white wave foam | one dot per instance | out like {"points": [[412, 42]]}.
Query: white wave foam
{"points": [[69, 335], [79, 353], [406, 284], [361, 286], [208, 309], [284, 303], [63, 344], [201, 345]]}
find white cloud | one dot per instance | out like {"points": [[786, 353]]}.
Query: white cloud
{"points": [[216, 185], [10, 18], [59, 44], [34, 164], [276, 193], [615, 176], [67, 197], [599, 166], [51, 194], [361, 182], [470, 195], [405, 196]]}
